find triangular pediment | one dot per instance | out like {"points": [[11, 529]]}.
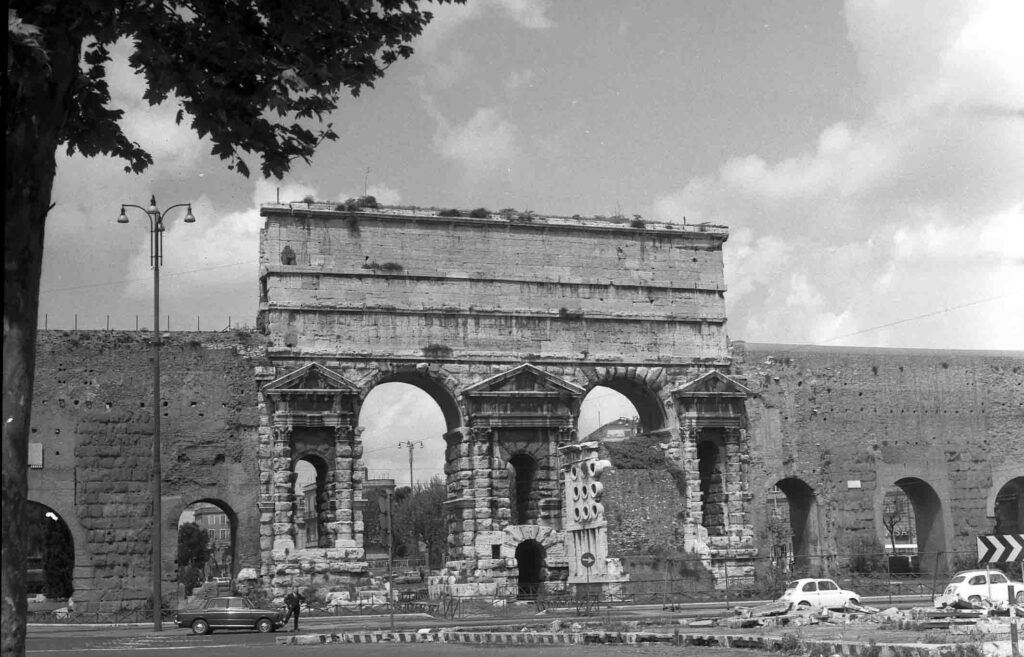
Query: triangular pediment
{"points": [[525, 380], [312, 377], [713, 383]]}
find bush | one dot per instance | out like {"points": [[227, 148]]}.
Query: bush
{"points": [[480, 213], [868, 557], [451, 212], [790, 643]]}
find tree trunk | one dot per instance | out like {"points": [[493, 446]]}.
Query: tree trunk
{"points": [[36, 109]]}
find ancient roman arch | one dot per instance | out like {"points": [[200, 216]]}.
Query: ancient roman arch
{"points": [[506, 321]]}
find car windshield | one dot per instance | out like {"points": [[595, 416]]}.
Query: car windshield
{"points": [[792, 586], [958, 579]]}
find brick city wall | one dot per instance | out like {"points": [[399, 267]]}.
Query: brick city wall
{"points": [[852, 422], [91, 415]]}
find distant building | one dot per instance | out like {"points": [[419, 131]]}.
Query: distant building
{"points": [[375, 541], [217, 526], [616, 431], [307, 531]]}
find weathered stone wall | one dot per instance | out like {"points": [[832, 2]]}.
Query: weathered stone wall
{"points": [[852, 422], [645, 512], [92, 416], [396, 284]]}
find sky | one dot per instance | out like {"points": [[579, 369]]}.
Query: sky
{"points": [[867, 157]]}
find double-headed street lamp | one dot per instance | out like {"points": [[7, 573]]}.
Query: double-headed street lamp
{"points": [[156, 256]]}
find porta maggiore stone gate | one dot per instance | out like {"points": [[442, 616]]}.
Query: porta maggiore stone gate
{"points": [[506, 323]]}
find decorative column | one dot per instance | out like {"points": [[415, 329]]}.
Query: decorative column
{"points": [[345, 485], [283, 490]]}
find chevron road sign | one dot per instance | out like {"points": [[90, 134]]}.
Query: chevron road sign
{"points": [[1007, 548]]}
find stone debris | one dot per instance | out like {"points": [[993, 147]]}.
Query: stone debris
{"points": [[960, 616]]}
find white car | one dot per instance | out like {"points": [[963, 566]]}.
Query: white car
{"points": [[978, 585], [818, 593]]}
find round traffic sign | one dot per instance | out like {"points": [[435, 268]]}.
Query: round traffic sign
{"points": [[587, 559]]}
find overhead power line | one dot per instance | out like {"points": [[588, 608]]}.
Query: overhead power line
{"points": [[146, 278]]}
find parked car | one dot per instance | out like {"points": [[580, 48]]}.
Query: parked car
{"points": [[977, 585], [229, 613], [818, 593]]}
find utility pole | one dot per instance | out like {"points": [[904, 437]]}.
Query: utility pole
{"points": [[410, 444]]}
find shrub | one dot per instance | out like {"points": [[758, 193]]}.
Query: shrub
{"points": [[308, 198], [392, 267], [790, 643], [480, 213], [451, 212]]}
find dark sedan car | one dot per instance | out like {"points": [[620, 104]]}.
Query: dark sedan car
{"points": [[233, 613]]}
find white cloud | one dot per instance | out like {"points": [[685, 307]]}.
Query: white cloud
{"points": [[914, 211], [173, 146], [484, 143], [220, 249], [530, 14], [518, 80]]}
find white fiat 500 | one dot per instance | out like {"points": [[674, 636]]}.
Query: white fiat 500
{"points": [[818, 593], [978, 585]]}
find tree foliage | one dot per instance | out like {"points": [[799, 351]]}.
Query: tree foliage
{"points": [[256, 77], [420, 516], [193, 553]]}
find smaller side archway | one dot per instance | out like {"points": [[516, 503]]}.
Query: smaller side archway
{"points": [[530, 555], [929, 524], [309, 472], [217, 522], [1009, 507], [50, 553], [798, 515]]}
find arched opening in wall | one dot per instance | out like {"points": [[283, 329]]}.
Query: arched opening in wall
{"points": [[404, 450], [793, 523], [1010, 507], [929, 526], [711, 468], [50, 553], [311, 502], [530, 557], [523, 500], [206, 545], [618, 410], [900, 525]]}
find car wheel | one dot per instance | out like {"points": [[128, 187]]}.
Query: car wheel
{"points": [[264, 625], [854, 601], [1019, 598], [199, 626], [974, 599], [803, 603]]}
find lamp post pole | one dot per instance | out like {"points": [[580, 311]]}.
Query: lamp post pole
{"points": [[156, 255]]}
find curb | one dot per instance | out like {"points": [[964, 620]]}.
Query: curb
{"points": [[633, 638]]}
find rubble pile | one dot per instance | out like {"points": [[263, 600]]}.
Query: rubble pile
{"points": [[987, 616]]}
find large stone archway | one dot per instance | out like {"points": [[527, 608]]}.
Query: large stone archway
{"points": [[504, 327]]}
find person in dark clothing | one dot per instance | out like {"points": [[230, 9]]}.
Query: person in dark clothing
{"points": [[295, 607], [293, 604]]}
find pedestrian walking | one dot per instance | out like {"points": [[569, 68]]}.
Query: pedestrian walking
{"points": [[287, 608], [293, 601]]}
